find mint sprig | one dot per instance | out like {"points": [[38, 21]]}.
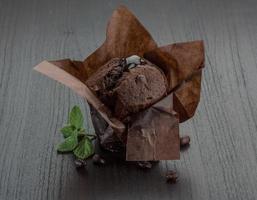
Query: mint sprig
{"points": [[76, 118], [77, 140], [67, 130], [84, 149], [69, 144]]}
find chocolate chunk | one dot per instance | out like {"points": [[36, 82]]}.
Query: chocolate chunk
{"points": [[184, 141], [171, 177], [98, 160], [153, 134], [141, 79], [79, 163], [112, 77], [144, 164]]}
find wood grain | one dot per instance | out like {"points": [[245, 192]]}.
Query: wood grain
{"points": [[221, 162]]}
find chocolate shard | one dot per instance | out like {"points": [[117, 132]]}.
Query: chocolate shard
{"points": [[107, 136], [154, 133], [182, 64], [125, 36], [171, 177], [144, 164], [184, 141]]}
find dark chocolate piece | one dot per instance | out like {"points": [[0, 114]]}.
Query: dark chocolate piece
{"points": [[107, 138], [111, 78], [171, 177], [79, 163], [98, 160], [153, 134], [184, 141], [144, 164]]}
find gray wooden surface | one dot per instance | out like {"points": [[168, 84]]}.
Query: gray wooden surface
{"points": [[221, 162]]}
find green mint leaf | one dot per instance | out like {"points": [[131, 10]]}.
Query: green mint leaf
{"points": [[69, 144], [76, 118], [84, 149], [67, 130]]}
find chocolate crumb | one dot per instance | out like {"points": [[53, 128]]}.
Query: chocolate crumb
{"points": [[79, 163], [98, 160], [144, 164], [111, 78], [184, 141], [171, 177], [141, 79]]}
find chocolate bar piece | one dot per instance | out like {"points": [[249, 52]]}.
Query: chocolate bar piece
{"points": [[153, 134]]}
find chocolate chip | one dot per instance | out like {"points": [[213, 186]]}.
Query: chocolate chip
{"points": [[112, 77], [141, 79], [98, 160], [171, 177], [123, 63], [184, 141], [79, 163], [144, 164], [127, 119]]}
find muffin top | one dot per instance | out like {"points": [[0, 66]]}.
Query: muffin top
{"points": [[128, 85]]}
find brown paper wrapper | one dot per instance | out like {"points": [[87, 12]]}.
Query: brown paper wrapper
{"points": [[182, 64], [54, 71], [125, 36], [152, 134]]}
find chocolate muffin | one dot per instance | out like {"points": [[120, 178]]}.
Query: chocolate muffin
{"points": [[128, 85]]}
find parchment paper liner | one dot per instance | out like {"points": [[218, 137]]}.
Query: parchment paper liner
{"points": [[182, 64]]}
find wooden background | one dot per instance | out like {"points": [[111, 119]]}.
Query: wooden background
{"points": [[221, 162]]}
